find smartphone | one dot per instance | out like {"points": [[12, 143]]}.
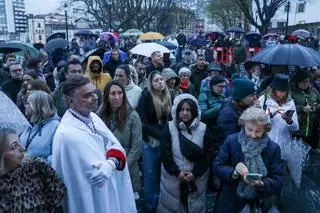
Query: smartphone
{"points": [[253, 176], [289, 113]]}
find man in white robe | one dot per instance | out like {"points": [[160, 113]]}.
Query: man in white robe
{"points": [[89, 158]]}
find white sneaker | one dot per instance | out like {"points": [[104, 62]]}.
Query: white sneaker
{"points": [[136, 196]]}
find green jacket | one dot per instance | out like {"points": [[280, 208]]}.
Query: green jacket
{"points": [[197, 76], [130, 138], [210, 104], [302, 99]]}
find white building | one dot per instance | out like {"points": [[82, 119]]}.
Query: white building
{"points": [[36, 29], [301, 12], [12, 17]]}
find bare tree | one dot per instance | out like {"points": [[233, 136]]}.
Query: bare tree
{"points": [[125, 14], [225, 13], [265, 9]]}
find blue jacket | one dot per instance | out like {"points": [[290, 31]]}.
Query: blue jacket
{"points": [[228, 120], [228, 157], [40, 139]]}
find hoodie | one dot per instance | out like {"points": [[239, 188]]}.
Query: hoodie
{"points": [[101, 79]]}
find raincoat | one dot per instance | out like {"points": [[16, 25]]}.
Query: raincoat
{"points": [[101, 79]]}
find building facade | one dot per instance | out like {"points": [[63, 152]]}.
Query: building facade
{"points": [[36, 29], [303, 14]]}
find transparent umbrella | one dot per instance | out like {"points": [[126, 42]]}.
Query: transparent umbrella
{"points": [[11, 116]]}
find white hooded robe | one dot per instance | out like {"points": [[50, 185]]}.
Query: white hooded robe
{"points": [[75, 149]]}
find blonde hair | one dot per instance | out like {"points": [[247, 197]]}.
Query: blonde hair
{"points": [[42, 106], [4, 145], [257, 116], [161, 103]]}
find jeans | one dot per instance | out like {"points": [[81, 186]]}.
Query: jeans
{"points": [[151, 171]]}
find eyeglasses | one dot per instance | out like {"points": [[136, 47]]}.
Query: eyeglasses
{"points": [[221, 86]]}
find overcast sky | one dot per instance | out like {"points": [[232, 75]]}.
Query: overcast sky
{"points": [[41, 6]]}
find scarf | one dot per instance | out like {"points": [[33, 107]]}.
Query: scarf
{"points": [[251, 149], [184, 84]]}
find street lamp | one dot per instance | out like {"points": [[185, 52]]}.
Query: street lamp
{"points": [[287, 21], [66, 18]]}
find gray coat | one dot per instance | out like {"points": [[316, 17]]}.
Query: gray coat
{"points": [[131, 140]]}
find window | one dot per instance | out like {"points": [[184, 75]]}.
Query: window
{"points": [[280, 24], [300, 8], [39, 25], [40, 37]]}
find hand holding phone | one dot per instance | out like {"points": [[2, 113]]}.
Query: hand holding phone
{"points": [[253, 176]]}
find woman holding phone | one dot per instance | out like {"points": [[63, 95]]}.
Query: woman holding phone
{"points": [[249, 166], [281, 108]]}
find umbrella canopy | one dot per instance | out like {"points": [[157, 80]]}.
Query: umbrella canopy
{"points": [[105, 36], [11, 116], [301, 33], [235, 29], [56, 35], [38, 46], [56, 44], [132, 32], [169, 45], [146, 49], [214, 35], [287, 54], [86, 33], [268, 35], [19, 47], [251, 35], [95, 52], [151, 36]]}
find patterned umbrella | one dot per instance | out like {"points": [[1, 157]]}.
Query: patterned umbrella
{"points": [[301, 33]]}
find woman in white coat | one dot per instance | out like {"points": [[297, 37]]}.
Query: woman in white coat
{"points": [[280, 106]]}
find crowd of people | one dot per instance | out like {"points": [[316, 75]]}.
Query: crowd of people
{"points": [[105, 135]]}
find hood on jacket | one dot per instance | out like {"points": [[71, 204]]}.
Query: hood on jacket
{"points": [[168, 73], [178, 100], [90, 60]]}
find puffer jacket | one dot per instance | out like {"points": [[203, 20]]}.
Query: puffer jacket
{"points": [[174, 161]]}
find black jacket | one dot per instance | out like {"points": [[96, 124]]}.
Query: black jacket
{"points": [[150, 68], [111, 66], [148, 116], [11, 88]]}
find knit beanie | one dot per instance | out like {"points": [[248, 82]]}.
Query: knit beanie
{"points": [[168, 73], [301, 75], [242, 88]]}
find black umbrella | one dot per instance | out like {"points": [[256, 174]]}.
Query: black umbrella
{"points": [[86, 33], [56, 44], [96, 52], [38, 46], [235, 29], [9, 49], [56, 35], [169, 45], [287, 54]]}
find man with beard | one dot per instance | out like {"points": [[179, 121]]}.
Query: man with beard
{"points": [[199, 71], [141, 70], [113, 63], [88, 157], [95, 73], [156, 63], [12, 86]]}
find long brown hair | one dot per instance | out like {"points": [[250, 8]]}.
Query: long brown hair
{"points": [[161, 103], [105, 111]]}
